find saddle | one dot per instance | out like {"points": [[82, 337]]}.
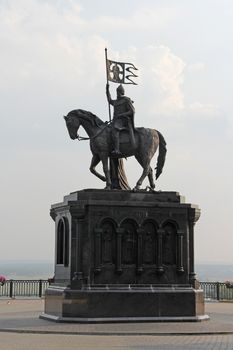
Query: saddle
{"points": [[127, 135]]}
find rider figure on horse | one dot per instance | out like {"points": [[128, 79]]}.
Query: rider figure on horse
{"points": [[123, 117]]}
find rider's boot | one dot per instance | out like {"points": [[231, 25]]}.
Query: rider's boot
{"points": [[116, 152]]}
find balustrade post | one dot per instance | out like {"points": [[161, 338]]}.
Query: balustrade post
{"points": [[218, 290], [11, 289], [40, 288]]}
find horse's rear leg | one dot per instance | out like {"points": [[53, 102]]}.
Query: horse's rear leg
{"points": [[95, 160], [151, 178], [146, 171], [144, 174]]}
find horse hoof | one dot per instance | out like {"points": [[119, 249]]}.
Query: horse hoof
{"points": [[136, 188], [107, 188], [150, 189]]}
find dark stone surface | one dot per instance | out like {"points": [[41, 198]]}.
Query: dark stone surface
{"points": [[124, 254], [183, 302]]}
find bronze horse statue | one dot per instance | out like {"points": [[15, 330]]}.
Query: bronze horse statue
{"points": [[99, 134]]}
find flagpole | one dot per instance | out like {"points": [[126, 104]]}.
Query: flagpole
{"points": [[106, 62]]}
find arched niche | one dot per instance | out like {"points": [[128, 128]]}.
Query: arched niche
{"points": [[169, 246], [129, 242], [149, 242], [108, 241], [62, 248]]}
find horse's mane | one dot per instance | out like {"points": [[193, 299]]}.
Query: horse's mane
{"points": [[96, 121]]}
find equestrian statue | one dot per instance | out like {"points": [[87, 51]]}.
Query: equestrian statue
{"points": [[115, 140]]}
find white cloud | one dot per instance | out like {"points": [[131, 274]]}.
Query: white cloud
{"points": [[145, 18], [43, 43], [161, 75], [59, 55], [52, 51]]}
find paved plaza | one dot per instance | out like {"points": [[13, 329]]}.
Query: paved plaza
{"points": [[21, 329]]}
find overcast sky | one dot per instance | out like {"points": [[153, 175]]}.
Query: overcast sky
{"points": [[52, 61]]}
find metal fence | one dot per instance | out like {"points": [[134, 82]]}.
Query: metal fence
{"points": [[216, 291], [36, 288], [23, 288]]}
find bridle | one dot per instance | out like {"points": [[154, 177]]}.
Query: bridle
{"points": [[82, 138]]}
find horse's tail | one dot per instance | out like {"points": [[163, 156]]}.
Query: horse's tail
{"points": [[161, 156]]}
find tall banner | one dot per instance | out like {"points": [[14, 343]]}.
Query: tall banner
{"points": [[120, 72]]}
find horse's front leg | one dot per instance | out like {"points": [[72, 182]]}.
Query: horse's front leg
{"points": [[106, 172], [94, 162]]}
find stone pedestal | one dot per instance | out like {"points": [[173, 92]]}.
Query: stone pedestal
{"points": [[124, 256]]}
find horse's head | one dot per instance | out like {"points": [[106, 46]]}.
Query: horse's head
{"points": [[89, 121], [72, 123]]}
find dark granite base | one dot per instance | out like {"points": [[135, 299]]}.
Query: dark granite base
{"points": [[118, 305], [124, 257]]}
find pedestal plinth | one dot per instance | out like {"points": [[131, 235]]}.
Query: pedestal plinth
{"points": [[124, 256]]}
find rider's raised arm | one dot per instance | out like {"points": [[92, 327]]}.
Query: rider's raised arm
{"points": [[108, 95]]}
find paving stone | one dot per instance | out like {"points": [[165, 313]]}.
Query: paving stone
{"points": [[20, 317]]}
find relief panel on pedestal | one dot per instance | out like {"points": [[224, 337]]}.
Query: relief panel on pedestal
{"points": [[149, 243], [129, 242], [169, 244]]}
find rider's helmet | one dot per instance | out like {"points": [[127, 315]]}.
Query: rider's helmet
{"points": [[120, 90]]}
